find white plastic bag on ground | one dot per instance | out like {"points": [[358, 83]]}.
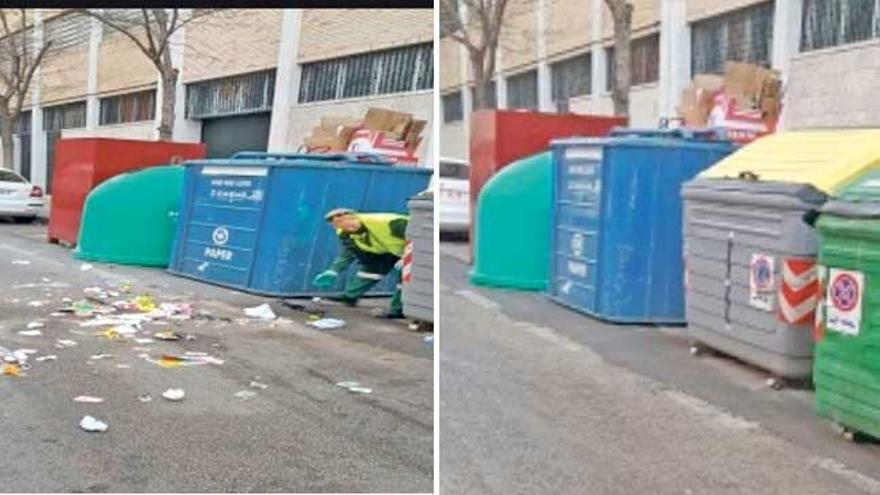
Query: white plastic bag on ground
{"points": [[261, 312]]}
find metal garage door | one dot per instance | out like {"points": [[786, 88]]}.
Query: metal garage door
{"points": [[227, 135]]}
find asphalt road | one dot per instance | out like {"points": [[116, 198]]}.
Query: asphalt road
{"points": [[535, 398], [302, 433]]}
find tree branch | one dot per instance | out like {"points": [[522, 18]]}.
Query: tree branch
{"points": [[116, 27]]}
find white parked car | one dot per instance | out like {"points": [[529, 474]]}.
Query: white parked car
{"points": [[19, 199], [454, 196]]}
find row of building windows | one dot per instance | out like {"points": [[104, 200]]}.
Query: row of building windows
{"points": [[831, 23], [397, 70], [569, 78], [744, 35]]}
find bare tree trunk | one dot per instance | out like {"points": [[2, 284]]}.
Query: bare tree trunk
{"points": [[169, 94], [6, 124], [169, 77], [621, 13], [481, 93]]}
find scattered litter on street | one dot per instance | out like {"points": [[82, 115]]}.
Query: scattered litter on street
{"points": [[42, 285], [48, 357], [88, 399], [91, 424], [168, 335], [145, 304], [174, 394], [35, 324], [171, 361], [327, 323], [429, 341], [261, 312], [355, 387], [30, 333], [145, 398], [144, 340], [36, 304], [63, 343], [11, 369], [97, 357], [245, 394], [85, 267], [83, 308], [21, 262], [259, 385]]}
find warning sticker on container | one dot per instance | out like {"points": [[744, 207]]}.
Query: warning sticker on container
{"points": [[577, 244], [761, 282], [843, 301]]}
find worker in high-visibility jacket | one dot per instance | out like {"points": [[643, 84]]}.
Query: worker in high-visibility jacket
{"points": [[376, 241]]}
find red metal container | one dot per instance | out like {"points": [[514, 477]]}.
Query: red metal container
{"points": [[83, 163], [499, 137]]}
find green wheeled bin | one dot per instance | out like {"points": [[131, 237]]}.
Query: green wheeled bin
{"points": [[131, 218], [512, 244], [846, 371]]}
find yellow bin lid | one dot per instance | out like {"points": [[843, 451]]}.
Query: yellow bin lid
{"points": [[827, 159]]}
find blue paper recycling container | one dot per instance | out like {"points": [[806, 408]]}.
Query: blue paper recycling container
{"points": [[616, 246], [255, 221]]}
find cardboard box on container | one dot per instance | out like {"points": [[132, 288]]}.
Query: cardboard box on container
{"points": [[391, 122], [746, 101], [751, 85], [395, 135], [696, 99], [331, 135], [383, 143]]}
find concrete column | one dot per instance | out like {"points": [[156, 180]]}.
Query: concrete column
{"points": [[182, 129], [501, 91], [675, 55], [787, 16], [93, 106], [597, 51], [786, 33], [38, 135], [287, 80], [545, 88]]}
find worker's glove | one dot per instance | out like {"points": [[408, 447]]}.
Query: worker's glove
{"points": [[325, 279]]}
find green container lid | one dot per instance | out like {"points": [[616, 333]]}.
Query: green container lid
{"points": [[512, 244], [130, 219]]}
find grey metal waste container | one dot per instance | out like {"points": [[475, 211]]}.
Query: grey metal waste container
{"points": [[750, 255], [418, 273]]}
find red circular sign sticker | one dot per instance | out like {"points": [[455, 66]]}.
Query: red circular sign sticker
{"points": [[844, 292]]}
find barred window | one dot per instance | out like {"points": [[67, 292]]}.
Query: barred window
{"points": [[69, 116], [133, 107], [744, 35], [236, 95], [453, 107], [398, 70], [644, 62], [23, 124], [491, 95], [829, 23], [67, 31], [570, 78], [522, 90]]}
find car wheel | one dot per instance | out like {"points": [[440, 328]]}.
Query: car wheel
{"points": [[25, 219]]}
